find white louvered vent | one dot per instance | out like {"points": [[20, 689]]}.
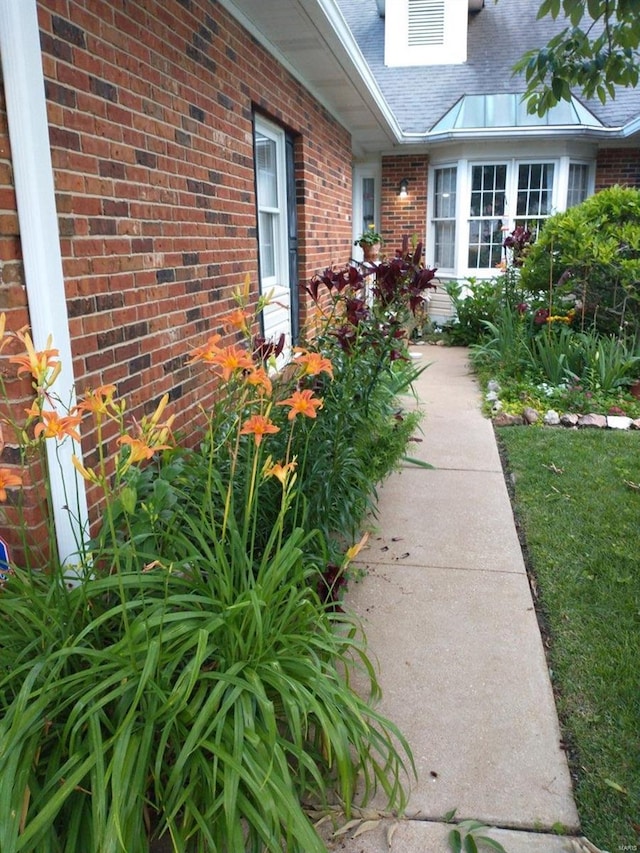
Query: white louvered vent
{"points": [[426, 22]]}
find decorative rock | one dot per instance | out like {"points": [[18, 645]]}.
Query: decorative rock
{"points": [[497, 407], [491, 396], [493, 385], [551, 418], [635, 424], [504, 419], [569, 420], [530, 416], [618, 422], [592, 421]]}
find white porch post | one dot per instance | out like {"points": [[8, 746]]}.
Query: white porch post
{"points": [[33, 177]]}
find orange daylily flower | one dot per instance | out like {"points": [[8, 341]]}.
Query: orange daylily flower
{"points": [[237, 319], [41, 364], [258, 426], [302, 403], [59, 427], [8, 480], [281, 472], [260, 378], [152, 435], [140, 450], [314, 363], [100, 401], [232, 359], [207, 351]]}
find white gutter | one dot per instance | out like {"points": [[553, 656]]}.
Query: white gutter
{"points": [[33, 178], [484, 133]]}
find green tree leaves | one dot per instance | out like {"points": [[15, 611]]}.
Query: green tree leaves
{"points": [[598, 51]]}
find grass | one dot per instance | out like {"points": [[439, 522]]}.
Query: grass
{"points": [[577, 497]]}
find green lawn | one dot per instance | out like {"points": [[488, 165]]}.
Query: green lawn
{"points": [[577, 497]]}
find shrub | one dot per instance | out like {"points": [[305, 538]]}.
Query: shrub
{"points": [[591, 255]]}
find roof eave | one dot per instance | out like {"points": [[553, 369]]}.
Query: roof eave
{"points": [[507, 133]]}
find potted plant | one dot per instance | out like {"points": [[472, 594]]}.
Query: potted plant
{"points": [[369, 241]]}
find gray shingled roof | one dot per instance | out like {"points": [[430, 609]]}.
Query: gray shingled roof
{"points": [[497, 37]]}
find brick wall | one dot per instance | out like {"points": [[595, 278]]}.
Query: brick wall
{"points": [[403, 216], [618, 166], [150, 108]]}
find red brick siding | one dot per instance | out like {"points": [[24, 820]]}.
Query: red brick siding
{"points": [[618, 166], [150, 108], [403, 216]]}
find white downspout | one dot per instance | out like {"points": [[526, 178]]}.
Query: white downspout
{"points": [[33, 178]]}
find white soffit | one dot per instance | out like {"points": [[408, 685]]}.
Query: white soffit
{"points": [[312, 40]]}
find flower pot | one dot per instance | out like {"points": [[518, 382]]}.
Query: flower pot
{"points": [[634, 389], [371, 251]]}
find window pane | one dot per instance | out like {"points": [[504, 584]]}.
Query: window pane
{"points": [[488, 185], [445, 194], [267, 224], [444, 214], [368, 203], [445, 245], [578, 188], [488, 190], [535, 189], [485, 243], [267, 174]]}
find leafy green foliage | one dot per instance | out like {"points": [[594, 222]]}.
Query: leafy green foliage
{"points": [[197, 682], [466, 838], [577, 497], [598, 51], [591, 253]]}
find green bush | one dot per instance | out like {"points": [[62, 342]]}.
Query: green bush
{"points": [[590, 255]]}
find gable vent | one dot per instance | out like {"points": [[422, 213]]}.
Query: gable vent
{"points": [[426, 22]]}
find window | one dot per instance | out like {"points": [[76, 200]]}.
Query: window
{"points": [[444, 217], [473, 205], [486, 215], [578, 186], [273, 228], [368, 204], [535, 194]]}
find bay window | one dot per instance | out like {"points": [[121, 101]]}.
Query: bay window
{"points": [[474, 205]]}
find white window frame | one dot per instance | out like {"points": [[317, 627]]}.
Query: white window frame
{"points": [[433, 220], [362, 172], [277, 314], [281, 269]]}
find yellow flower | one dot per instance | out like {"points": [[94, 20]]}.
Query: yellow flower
{"points": [[86, 473], [353, 552], [8, 480], [258, 426], [302, 403]]}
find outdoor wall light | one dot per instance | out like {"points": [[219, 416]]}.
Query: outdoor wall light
{"points": [[403, 189]]}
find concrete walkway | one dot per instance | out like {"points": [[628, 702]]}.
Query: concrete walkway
{"points": [[449, 616]]}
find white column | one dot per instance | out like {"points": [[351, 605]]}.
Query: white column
{"points": [[33, 177]]}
